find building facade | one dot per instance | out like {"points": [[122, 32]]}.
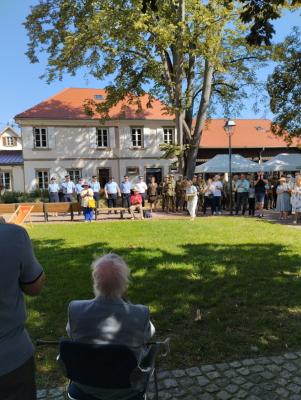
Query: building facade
{"points": [[11, 161], [58, 138]]}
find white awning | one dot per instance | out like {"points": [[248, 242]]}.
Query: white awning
{"points": [[285, 162], [220, 163]]}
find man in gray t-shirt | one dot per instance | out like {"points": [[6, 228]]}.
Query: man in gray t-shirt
{"points": [[19, 271]]}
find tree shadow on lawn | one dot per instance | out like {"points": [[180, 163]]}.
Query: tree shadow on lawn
{"points": [[243, 299]]}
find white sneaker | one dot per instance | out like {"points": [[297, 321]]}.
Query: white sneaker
{"points": [[214, 213], [219, 213]]}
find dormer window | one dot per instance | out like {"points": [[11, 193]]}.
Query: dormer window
{"points": [[98, 97], [9, 141], [259, 128]]}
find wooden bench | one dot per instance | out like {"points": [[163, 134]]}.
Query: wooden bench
{"points": [[57, 207], [37, 207], [118, 209], [7, 208]]}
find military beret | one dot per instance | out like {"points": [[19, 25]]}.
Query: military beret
{"points": [[140, 177], [185, 177], [94, 176], [180, 176], [53, 178], [166, 176], [80, 179], [67, 176], [125, 176], [111, 178]]}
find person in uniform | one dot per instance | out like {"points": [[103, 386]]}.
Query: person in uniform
{"points": [[53, 190], [201, 184], [142, 188], [183, 202], [78, 189], [268, 199], [275, 183], [95, 186], [178, 191], [112, 192], [235, 180], [67, 188], [171, 194], [126, 193], [152, 194], [163, 188]]}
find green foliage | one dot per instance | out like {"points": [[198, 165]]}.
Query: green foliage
{"points": [[284, 88], [224, 267], [38, 195]]}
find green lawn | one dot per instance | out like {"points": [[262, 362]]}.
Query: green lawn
{"points": [[226, 268]]}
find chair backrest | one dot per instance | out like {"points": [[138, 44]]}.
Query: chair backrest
{"points": [[22, 214], [100, 366]]}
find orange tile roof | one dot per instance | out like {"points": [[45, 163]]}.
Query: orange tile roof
{"points": [[68, 104], [245, 134]]}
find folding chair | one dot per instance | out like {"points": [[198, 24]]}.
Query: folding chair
{"points": [[21, 214], [106, 367]]}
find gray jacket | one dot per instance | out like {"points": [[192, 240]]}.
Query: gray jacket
{"points": [[110, 321]]}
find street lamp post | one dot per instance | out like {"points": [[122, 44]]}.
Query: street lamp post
{"points": [[230, 128]]}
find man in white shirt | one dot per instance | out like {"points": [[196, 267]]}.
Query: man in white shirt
{"points": [[142, 188], [218, 192]]}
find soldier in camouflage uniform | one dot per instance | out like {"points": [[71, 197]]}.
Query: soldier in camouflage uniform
{"points": [[170, 188], [183, 203], [163, 188], [268, 198], [223, 199], [178, 191], [201, 185]]}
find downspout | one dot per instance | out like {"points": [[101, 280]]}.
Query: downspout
{"points": [[260, 160]]}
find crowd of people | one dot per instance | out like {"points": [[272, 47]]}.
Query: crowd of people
{"points": [[263, 191]]}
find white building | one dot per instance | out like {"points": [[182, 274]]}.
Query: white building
{"points": [[58, 137], [11, 162]]}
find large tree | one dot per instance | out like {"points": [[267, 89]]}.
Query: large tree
{"points": [[284, 88], [192, 53]]}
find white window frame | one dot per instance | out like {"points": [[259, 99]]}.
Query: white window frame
{"points": [[3, 179], [100, 133], [40, 133], [135, 128], [72, 171], [166, 136], [11, 139], [44, 185]]}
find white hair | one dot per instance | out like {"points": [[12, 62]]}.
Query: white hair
{"points": [[110, 275]]}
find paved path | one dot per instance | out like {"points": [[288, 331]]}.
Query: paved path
{"points": [[269, 215], [266, 378]]}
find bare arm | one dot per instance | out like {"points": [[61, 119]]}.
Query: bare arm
{"points": [[34, 289]]}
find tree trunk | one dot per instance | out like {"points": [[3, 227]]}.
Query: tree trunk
{"points": [[193, 152]]}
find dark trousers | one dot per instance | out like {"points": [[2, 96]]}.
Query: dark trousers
{"points": [[54, 198], [112, 201], [68, 198], [241, 196], [217, 203], [252, 206], [19, 384], [178, 198], [268, 196], [126, 200], [275, 199], [211, 202], [61, 197], [143, 198], [79, 199], [96, 198]]}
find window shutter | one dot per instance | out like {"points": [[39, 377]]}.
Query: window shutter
{"points": [[51, 137], [176, 136], [160, 136], [92, 135], [15, 141], [112, 137], [146, 137], [127, 137], [29, 137], [4, 141], [32, 182]]}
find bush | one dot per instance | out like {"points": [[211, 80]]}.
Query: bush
{"points": [[38, 195]]}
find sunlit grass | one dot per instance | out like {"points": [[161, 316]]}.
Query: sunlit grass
{"points": [[228, 269]]}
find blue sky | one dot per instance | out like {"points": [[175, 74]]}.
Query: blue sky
{"points": [[21, 87]]}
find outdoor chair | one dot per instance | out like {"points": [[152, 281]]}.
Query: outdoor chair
{"points": [[106, 367], [20, 215]]}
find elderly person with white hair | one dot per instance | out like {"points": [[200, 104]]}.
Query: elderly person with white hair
{"points": [[111, 319], [192, 199]]}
